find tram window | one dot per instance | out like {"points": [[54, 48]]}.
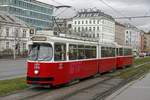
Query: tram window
{"points": [[107, 52], [113, 52], [127, 51], [94, 52], [103, 52], [73, 52], [120, 51], [81, 52], [60, 52], [130, 51], [90, 52]]}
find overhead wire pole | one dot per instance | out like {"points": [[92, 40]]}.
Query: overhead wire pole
{"points": [[58, 7]]}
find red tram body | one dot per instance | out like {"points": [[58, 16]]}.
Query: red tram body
{"points": [[56, 60]]}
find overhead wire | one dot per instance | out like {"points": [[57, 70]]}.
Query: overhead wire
{"points": [[118, 12]]}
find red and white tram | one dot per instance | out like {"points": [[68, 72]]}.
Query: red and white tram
{"points": [[58, 60]]}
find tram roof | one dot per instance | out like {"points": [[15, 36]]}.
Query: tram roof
{"points": [[63, 38]]}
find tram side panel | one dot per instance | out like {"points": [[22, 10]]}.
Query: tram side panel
{"points": [[88, 68], [120, 62], [107, 64], [128, 60], [124, 61]]}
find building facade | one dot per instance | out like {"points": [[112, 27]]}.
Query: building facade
{"points": [[133, 37], [120, 33], [34, 13], [14, 34], [147, 42], [142, 41], [96, 24]]}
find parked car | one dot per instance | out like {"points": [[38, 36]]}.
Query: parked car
{"points": [[142, 54]]}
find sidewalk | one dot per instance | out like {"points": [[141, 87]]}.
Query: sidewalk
{"points": [[136, 90], [13, 59]]}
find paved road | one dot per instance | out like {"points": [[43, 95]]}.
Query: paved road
{"points": [[12, 69], [136, 90]]}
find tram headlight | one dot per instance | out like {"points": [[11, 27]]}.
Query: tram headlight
{"points": [[36, 72]]}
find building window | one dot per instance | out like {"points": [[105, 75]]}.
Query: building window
{"points": [[7, 45], [90, 29], [97, 28], [93, 35], [24, 46], [93, 28], [97, 35], [78, 22], [16, 33], [24, 33], [78, 29], [93, 21], [75, 29], [86, 22], [90, 21], [82, 28], [86, 29], [97, 21], [75, 22], [7, 31], [82, 22], [69, 25]]}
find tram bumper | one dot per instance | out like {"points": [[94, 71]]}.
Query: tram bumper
{"points": [[40, 80]]}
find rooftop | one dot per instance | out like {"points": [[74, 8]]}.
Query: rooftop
{"points": [[92, 13]]}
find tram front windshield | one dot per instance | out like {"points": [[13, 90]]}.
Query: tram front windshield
{"points": [[40, 52]]}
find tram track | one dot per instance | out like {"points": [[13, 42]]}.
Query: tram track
{"points": [[23, 94], [33, 93], [65, 93]]}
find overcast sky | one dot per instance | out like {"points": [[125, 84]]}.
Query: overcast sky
{"points": [[125, 7]]}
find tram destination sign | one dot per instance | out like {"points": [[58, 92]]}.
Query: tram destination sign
{"points": [[38, 38]]}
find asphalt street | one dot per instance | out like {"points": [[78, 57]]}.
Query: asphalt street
{"points": [[12, 69], [136, 90]]}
